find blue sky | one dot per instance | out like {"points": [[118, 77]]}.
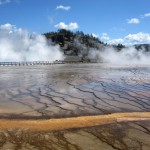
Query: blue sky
{"points": [[113, 21]]}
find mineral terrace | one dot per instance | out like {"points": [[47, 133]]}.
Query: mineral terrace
{"points": [[75, 107]]}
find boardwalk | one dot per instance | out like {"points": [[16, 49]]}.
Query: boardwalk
{"points": [[26, 63], [29, 63]]}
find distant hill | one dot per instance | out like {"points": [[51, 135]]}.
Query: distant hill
{"points": [[70, 41], [144, 47], [76, 43], [83, 45]]}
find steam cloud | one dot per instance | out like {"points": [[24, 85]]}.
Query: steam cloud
{"points": [[110, 54], [128, 55], [17, 44]]}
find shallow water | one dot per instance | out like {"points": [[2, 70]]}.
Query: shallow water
{"points": [[64, 90], [67, 90]]}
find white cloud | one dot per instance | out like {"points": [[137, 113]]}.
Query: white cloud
{"points": [[105, 37], [137, 20], [61, 7], [147, 15], [116, 41], [134, 21], [95, 35], [70, 26], [130, 39], [139, 37]]}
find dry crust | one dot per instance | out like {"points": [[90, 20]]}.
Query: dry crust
{"points": [[74, 122]]}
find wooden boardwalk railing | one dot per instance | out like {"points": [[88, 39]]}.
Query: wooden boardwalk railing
{"points": [[28, 63]]}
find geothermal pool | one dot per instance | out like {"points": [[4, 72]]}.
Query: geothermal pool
{"points": [[65, 90], [73, 90]]}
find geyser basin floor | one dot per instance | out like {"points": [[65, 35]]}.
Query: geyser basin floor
{"points": [[59, 91], [44, 92], [116, 136], [74, 122]]}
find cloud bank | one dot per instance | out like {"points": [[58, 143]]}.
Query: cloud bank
{"points": [[70, 26], [105, 37], [130, 39], [17, 44], [139, 37]]}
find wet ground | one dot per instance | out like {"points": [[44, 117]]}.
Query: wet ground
{"points": [[118, 136], [70, 90]]}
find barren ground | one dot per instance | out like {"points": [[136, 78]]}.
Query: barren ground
{"points": [[31, 95]]}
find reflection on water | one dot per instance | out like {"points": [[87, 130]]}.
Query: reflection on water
{"points": [[73, 90]]}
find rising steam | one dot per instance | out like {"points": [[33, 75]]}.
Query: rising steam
{"points": [[17, 44], [128, 55], [137, 54]]}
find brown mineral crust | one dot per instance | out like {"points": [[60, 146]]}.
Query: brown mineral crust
{"points": [[74, 122]]}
